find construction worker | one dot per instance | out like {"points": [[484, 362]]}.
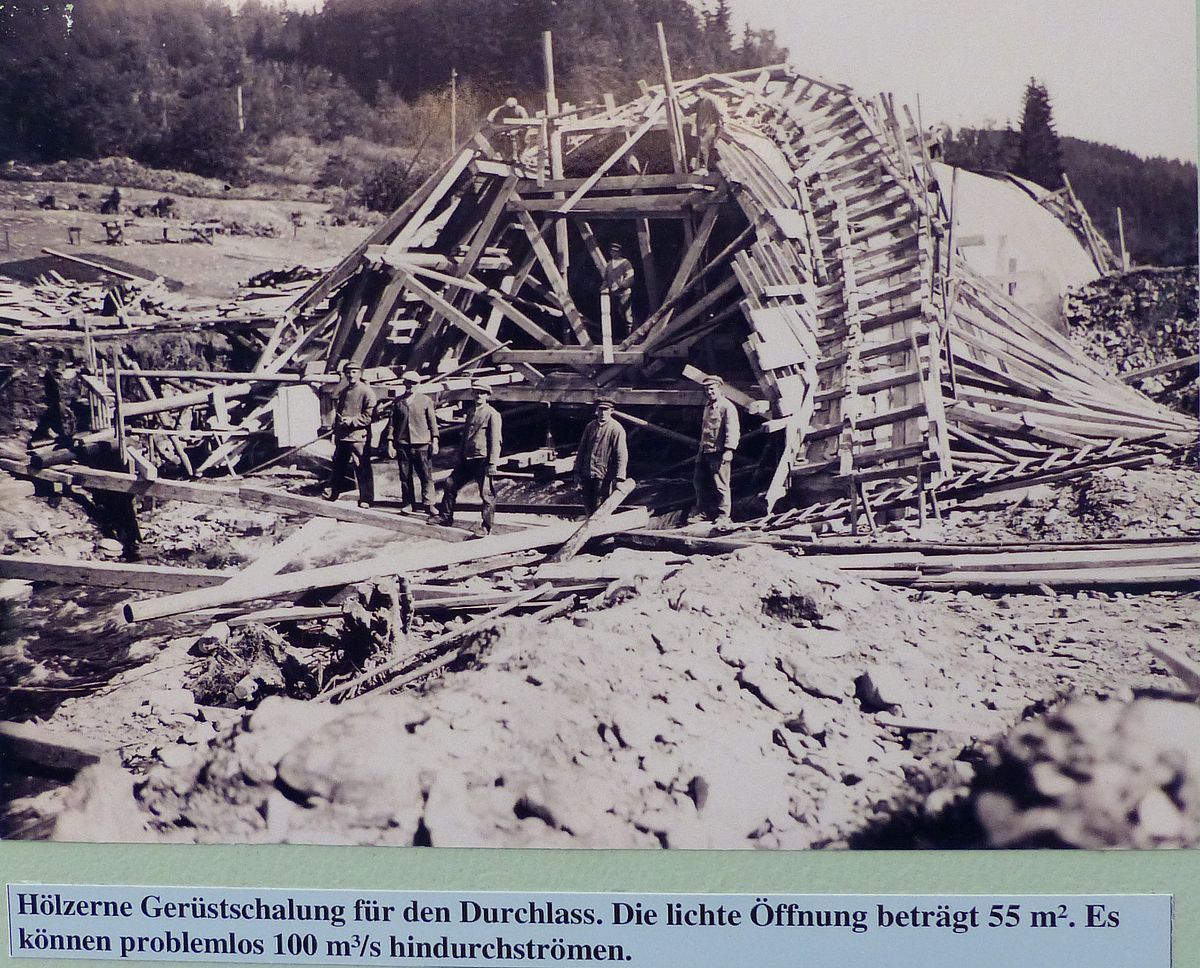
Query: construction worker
{"points": [[710, 115], [720, 433], [617, 282], [351, 432], [602, 458], [512, 110], [414, 429], [478, 457]]}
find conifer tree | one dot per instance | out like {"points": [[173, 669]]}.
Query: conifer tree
{"points": [[1039, 154]]}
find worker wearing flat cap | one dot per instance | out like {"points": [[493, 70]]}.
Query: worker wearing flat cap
{"points": [[617, 283], [414, 429], [720, 433], [355, 406], [478, 457], [602, 458]]}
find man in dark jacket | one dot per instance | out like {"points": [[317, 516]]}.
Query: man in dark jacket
{"points": [[478, 457], [602, 459], [415, 436], [351, 432]]}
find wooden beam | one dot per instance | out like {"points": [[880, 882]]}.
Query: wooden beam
{"points": [[571, 546], [622, 183], [109, 574], [687, 266], [457, 318], [555, 278], [678, 205], [323, 286], [587, 356], [622, 396]]}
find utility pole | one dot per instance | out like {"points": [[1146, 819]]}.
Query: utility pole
{"points": [[453, 109], [1121, 233]]}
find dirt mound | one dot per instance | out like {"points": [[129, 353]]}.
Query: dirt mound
{"points": [[755, 700]]}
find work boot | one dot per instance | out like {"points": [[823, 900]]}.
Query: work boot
{"points": [[723, 523], [364, 504]]}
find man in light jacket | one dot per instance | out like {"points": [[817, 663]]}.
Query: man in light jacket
{"points": [[351, 428], [602, 458], [415, 436], [720, 433], [478, 457]]}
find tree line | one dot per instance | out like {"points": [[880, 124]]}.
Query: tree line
{"points": [[1157, 196], [158, 80]]}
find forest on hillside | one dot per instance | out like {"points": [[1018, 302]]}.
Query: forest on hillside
{"points": [[158, 80], [355, 95]]}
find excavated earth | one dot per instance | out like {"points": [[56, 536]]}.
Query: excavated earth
{"points": [[756, 700]]}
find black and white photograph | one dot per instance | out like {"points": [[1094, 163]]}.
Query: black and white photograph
{"points": [[687, 424]]}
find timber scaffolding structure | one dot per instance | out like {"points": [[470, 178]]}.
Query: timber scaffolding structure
{"points": [[813, 266]]}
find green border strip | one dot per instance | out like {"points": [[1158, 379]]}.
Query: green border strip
{"points": [[1175, 872]]}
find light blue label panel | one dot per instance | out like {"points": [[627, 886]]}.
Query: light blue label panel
{"points": [[441, 928]]}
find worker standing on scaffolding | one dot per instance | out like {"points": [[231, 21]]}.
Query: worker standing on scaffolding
{"points": [[351, 433], [710, 113], [617, 284], [507, 113]]}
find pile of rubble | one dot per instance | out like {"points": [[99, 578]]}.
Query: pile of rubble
{"points": [[1142, 320]]}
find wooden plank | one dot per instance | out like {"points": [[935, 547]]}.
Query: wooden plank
{"points": [[284, 501], [92, 264], [621, 183], [422, 556], [573, 544], [279, 556], [1160, 368], [109, 574]]}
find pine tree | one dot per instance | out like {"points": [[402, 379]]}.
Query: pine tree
{"points": [[1039, 154]]}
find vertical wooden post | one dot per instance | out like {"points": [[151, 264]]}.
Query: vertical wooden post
{"points": [[606, 337], [1121, 236], [453, 109], [674, 121], [241, 112], [555, 151], [548, 59], [118, 415]]}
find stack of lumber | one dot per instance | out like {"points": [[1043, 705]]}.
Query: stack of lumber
{"points": [[981, 566]]}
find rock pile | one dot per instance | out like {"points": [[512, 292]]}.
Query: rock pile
{"points": [[1097, 774], [1138, 320]]}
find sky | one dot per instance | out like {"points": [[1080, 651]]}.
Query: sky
{"points": [[1122, 72]]}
